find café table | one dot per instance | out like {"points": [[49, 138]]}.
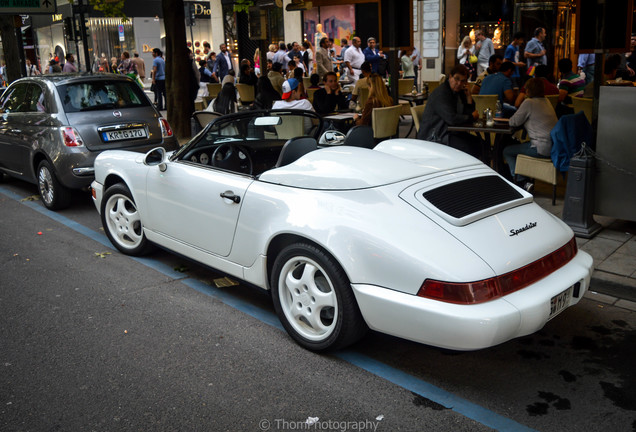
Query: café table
{"points": [[343, 119], [498, 130]]}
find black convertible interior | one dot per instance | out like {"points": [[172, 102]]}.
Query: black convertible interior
{"points": [[250, 142]]}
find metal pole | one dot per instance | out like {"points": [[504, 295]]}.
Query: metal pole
{"points": [[81, 7]]}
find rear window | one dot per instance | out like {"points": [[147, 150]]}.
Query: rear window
{"points": [[101, 95]]}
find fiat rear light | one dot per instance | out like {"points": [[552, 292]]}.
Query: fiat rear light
{"points": [[166, 130], [490, 289], [71, 137]]}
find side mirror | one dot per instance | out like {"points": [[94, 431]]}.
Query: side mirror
{"points": [[156, 156]]}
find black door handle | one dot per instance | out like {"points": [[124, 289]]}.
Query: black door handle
{"points": [[230, 195]]}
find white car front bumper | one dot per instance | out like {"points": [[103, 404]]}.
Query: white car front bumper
{"points": [[471, 327]]}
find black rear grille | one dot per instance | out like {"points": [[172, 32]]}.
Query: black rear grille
{"points": [[469, 196]]}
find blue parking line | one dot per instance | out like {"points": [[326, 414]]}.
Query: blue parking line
{"points": [[388, 373]]}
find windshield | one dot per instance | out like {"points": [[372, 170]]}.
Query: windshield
{"points": [[97, 95]]}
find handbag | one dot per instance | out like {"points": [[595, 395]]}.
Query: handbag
{"points": [[472, 59], [152, 87]]}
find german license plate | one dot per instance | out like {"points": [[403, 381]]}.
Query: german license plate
{"points": [[124, 134], [560, 302]]}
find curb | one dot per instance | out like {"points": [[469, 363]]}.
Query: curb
{"points": [[613, 285]]}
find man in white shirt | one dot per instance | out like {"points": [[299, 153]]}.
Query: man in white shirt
{"points": [[353, 58], [291, 97]]}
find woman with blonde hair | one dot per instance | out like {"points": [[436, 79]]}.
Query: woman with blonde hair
{"points": [[378, 98], [464, 52], [257, 62]]}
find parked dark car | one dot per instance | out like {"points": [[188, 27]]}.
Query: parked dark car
{"points": [[53, 127]]}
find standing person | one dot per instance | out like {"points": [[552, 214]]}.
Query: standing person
{"points": [[378, 98], [32, 70], [407, 64], [69, 66], [353, 58], [54, 67], [485, 49], [280, 55], [465, 52], [416, 57], [257, 62], [223, 63], [127, 66], [159, 78], [512, 55], [141, 66], [329, 98], [113, 64], [206, 74], [585, 65], [308, 57], [451, 104], [271, 52], [537, 116], [535, 53], [323, 61], [373, 55]]}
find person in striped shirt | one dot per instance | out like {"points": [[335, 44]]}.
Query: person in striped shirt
{"points": [[571, 83]]}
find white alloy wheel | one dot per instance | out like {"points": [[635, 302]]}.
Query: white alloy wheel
{"points": [[313, 299], [307, 298], [122, 221]]}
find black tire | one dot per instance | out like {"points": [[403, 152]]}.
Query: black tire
{"points": [[304, 307], [122, 222], [54, 196]]}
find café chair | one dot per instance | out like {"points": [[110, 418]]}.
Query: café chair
{"points": [[539, 169], [200, 120], [363, 95], [360, 136], [405, 85], [290, 127], [416, 112], [583, 104], [213, 90], [554, 100], [385, 121], [310, 94], [246, 93], [432, 85], [485, 101], [307, 82]]}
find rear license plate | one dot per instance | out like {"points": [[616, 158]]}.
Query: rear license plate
{"points": [[124, 134], [559, 302]]}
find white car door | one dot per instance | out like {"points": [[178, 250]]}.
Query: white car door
{"points": [[195, 204]]}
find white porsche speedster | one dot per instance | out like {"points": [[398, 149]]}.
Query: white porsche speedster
{"points": [[409, 238]]}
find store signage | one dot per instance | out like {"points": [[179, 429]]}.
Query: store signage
{"points": [[56, 17], [201, 10], [28, 7]]}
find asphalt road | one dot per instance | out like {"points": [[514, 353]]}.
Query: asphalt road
{"points": [[93, 340]]}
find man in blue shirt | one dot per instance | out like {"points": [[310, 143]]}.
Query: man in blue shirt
{"points": [[501, 85], [159, 78], [586, 65], [535, 52], [372, 54], [512, 54]]}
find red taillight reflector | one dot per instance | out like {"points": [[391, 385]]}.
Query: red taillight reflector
{"points": [[489, 289], [94, 193], [166, 130], [71, 137]]}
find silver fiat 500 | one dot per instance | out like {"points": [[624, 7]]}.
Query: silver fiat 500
{"points": [[52, 128]]}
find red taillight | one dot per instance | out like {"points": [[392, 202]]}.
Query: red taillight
{"points": [[489, 289], [166, 130], [71, 137]]}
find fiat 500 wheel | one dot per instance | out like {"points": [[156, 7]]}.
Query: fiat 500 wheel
{"points": [[313, 299], [54, 196], [122, 222]]}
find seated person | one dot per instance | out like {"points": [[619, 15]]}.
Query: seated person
{"points": [[494, 63], [365, 71], [292, 97], [571, 83], [537, 116], [378, 98], [225, 102], [500, 84], [314, 79], [330, 98], [451, 104], [612, 62], [541, 72]]}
